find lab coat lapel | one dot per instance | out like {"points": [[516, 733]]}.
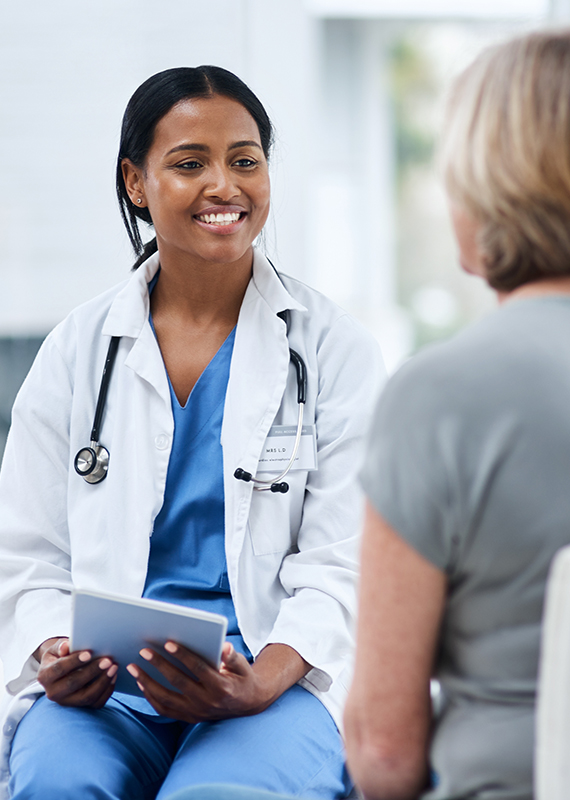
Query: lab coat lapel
{"points": [[129, 310], [145, 359], [128, 316], [258, 376], [257, 379]]}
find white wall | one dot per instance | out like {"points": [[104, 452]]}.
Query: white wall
{"points": [[560, 11], [430, 9], [67, 70]]}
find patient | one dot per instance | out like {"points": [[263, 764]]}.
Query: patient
{"points": [[468, 469]]}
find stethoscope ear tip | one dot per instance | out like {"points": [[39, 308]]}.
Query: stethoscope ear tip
{"points": [[241, 475]]}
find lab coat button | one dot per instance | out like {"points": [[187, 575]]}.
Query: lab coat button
{"points": [[162, 442]]}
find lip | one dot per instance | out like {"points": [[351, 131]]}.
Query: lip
{"points": [[221, 230]]}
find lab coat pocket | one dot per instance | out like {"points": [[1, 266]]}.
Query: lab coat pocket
{"points": [[273, 523]]}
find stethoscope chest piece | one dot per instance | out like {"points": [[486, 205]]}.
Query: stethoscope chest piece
{"points": [[92, 463]]}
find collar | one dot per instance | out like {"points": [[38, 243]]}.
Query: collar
{"points": [[270, 286], [130, 308]]}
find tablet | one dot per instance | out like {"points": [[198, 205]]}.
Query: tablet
{"points": [[116, 626]]}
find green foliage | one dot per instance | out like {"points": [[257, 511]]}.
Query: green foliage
{"points": [[413, 90]]}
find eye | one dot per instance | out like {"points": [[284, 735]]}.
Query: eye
{"points": [[189, 165], [245, 162]]}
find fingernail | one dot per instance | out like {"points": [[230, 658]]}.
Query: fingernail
{"points": [[112, 670], [104, 663], [141, 687], [85, 656], [114, 678], [146, 654], [171, 647], [133, 670]]}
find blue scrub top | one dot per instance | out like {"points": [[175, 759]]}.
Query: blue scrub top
{"points": [[187, 561]]}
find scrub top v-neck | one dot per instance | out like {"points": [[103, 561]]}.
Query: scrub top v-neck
{"points": [[187, 561]]}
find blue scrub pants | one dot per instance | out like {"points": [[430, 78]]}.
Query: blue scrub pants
{"points": [[223, 792], [115, 753]]}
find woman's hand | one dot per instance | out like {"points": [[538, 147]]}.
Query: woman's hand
{"points": [[237, 689], [74, 679]]}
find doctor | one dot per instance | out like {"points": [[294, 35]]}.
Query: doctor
{"points": [[202, 378]]}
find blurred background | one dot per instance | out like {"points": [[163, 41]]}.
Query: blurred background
{"points": [[356, 90]]}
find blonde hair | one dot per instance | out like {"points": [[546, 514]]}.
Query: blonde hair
{"points": [[506, 156]]}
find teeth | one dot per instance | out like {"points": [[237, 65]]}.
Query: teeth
{"points": [[219, 219]]}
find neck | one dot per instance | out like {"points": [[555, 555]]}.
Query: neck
{"points": [[547, 286], [199, 291]]}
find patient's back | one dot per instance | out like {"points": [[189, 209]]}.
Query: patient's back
{"points": [[471, 465]]}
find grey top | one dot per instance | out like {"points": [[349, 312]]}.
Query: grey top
{"points": [[469, 460]]}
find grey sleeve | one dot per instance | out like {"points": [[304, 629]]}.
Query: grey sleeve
{"points": [[406, 469]]}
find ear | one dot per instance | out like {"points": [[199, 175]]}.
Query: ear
{"points": [[134, 182]]}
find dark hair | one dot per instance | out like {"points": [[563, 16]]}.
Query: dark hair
{"points": [[151, 101]]}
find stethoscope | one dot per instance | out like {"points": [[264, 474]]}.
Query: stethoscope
{"points": [[92, 463]]}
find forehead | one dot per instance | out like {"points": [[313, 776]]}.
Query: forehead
{"points": [[205, 120]]}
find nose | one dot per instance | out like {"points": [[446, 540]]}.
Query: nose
{"points": [[221, 183]]}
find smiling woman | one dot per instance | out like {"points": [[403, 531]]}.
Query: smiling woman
{"points": [[205, 184], [207, 192], [196, 350]]}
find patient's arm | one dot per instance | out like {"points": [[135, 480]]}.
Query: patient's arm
{"points": [[388, 714]]}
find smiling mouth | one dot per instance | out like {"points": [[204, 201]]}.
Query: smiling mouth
{"points": [[220, 219]]}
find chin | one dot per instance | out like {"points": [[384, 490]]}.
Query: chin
{"points": [[225, 255]]}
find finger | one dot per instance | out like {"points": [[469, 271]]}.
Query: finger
{"points": [[165, 701], [103, 699], [104, 687], [63, 665], [77, 683], [94, 694], [63, 647], [233, 662], [59, 648], [108, 666], [70, 682], [54, 667], [178, 679], [203, 672]]}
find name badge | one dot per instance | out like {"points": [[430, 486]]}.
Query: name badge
{"points": [[278, 449]]}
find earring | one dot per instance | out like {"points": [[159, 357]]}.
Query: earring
{"points": [[139, 201]]}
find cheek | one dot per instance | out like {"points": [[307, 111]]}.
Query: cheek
{"points": [[264, 199]]}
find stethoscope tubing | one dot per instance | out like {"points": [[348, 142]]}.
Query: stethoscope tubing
{"points": [[267, 486], [92, 462], [105, 380]]}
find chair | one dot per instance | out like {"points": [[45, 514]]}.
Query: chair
{"points": [[552, 754]]}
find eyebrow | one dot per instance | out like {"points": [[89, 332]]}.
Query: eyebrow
{"points": [[245, 143], [203, 148]]}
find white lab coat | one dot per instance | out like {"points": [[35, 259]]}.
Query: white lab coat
{"points": [[291, 558]]}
